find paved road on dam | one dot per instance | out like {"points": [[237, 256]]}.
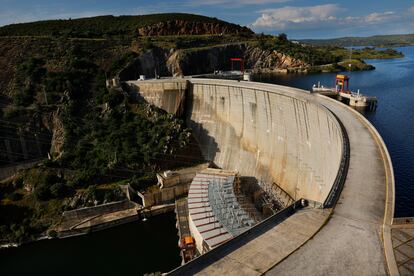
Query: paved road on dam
{"points": [[350, 244], [263, 252]]}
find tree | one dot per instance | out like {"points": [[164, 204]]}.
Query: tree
{"points": [[59, 190], [282, 37], [42, 192]]}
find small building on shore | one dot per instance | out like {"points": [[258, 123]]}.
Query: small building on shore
{"points": [[171, 185]]}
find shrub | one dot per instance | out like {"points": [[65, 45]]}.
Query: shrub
{"points": [[282, 36], [91, 192], [42, 185], [42, 192], [15, 196], [113, 98], [144, 181], [24, 98], [147, 44], [113, 195], [18, 182], [52, 233], [60, 190], [11, 112]]}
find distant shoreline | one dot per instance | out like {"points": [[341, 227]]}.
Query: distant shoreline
{"points": [[380, 41]]}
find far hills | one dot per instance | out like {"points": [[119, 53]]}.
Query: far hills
{"points": [[376, 41]]}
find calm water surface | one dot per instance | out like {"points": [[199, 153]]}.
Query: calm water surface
{"points": [[393, 84], [130, 249]]}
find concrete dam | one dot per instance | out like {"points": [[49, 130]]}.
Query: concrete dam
{"points": [[308, 146]]}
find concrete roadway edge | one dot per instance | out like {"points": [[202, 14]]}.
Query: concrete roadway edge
{"points": [[390, 192], [389, 201], [300, 246]]}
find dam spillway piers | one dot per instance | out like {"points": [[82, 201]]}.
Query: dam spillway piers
{"points": [[293, 141]]}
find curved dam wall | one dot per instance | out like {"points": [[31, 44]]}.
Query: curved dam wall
{"points": [[276, 134]]}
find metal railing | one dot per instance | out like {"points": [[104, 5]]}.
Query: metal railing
{"points": [[338, 185]]}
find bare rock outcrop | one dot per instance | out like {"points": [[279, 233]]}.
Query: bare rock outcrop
{"points": [[149, 63], [206, 60], [265, 60], [184, 27], [58, 136]]}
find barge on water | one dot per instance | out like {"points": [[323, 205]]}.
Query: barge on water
{"points": [[186, 242], [341, 92]]}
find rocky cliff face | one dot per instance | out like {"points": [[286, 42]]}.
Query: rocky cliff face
{"points": [[260, 60], [218, 58], [25, 138], [207, 60], [58, 135], [184, 27], [149, 63]]}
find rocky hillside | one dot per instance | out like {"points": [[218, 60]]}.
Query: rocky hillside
{"points": [[125, 26], [184, 62], [185, 27]]}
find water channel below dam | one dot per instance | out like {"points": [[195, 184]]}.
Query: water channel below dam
{"points": [[130, 249]]}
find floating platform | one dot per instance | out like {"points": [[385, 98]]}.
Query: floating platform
{"points": [[358, 100], [341, 92]]}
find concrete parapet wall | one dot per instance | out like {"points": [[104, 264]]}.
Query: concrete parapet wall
{"points": [[167, 182], [98, 227], [274, 133], [97, 210], [166, 95], [164, 195]]}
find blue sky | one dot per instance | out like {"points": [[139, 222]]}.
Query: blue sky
{"points": [[298, 18]]}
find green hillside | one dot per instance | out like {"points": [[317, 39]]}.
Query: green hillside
{"points": [[100, 26], [378, 40]]}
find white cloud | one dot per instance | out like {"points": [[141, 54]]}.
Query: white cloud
{"points": [[286, 17], [321, 17], [372, 18]]}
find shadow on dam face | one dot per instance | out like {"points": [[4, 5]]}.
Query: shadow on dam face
{"points": [[272, 133], [207, 143]]}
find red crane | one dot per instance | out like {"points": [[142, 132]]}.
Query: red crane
{"points": [[232, 60]]}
